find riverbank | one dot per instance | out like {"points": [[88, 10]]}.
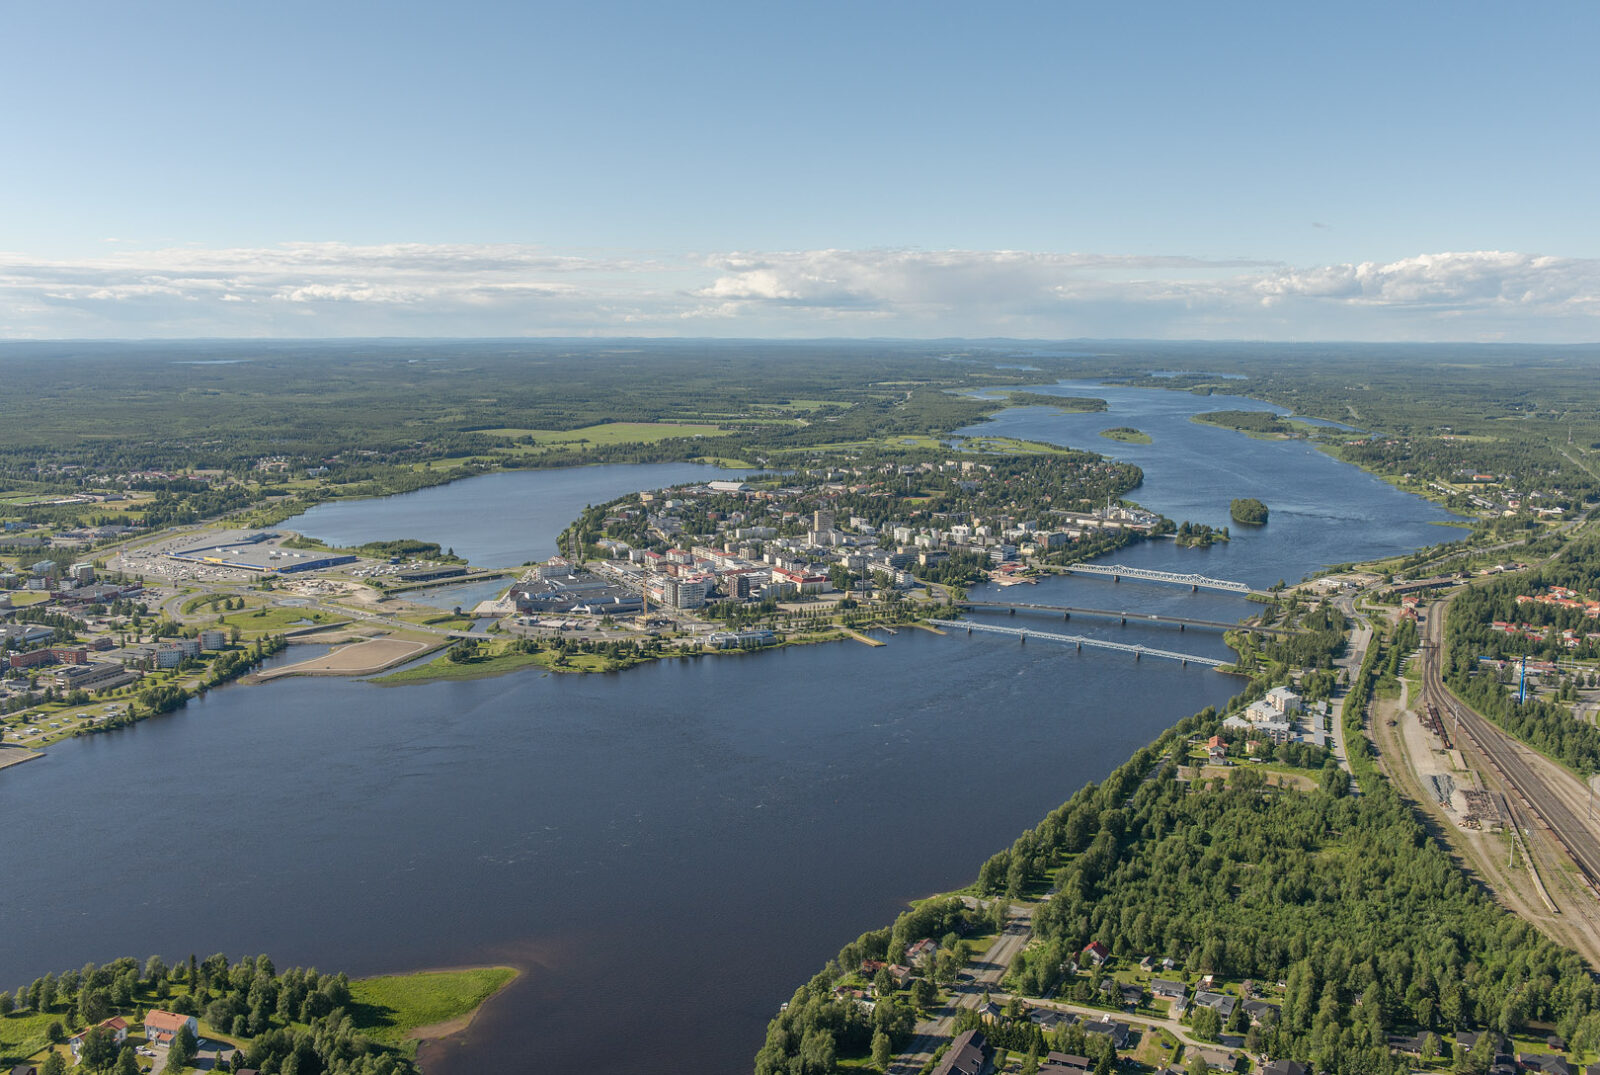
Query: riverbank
{"points": [[359, 659], [397, 1013], [405, 1011]]}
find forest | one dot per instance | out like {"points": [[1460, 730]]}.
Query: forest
{"points": [[1367, 921], [1346, 899]]}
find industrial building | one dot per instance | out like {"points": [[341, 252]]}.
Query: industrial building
{"points": [[261, 551]]}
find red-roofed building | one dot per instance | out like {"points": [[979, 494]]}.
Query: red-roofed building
{"points": [[1097, 952], [162, 1027], [117, 1025]]}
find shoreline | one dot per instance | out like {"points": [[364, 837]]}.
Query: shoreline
{"points": [[430, 1039]]}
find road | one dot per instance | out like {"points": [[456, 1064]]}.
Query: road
{"points": [[1169, 1023], [985, 973], [1355, 652], [1539, 787]]}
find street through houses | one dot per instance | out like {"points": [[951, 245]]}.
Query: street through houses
{"points": [[984, 976]]}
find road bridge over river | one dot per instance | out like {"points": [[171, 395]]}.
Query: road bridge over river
{"points": [[1118, 572], [1067, 612], [1080, 641]]}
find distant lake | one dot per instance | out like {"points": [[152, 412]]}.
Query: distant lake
{"points": [[495, 520]]}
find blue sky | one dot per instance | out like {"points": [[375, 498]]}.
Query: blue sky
{"points": [[1164, 170]]}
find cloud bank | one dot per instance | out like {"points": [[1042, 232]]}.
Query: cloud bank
{"points": [[410, 289]]}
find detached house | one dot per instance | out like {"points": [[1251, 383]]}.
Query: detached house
{"points": [[162, 1027]]}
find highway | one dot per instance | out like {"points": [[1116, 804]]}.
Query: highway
{"points": [[1510, 760]]}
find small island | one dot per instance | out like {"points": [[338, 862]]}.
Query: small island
{"points": [[1126, 434], [1259, 424], [1067, 404], [1198, 535], [1249, 511]]}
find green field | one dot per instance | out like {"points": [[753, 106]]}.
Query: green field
{"points": [[442, 668], [1012, 446], [386, 1009], [271, 621], [609, 433]]}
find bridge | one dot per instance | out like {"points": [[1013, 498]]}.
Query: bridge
{"points": [[1139, 617], [1118, 572], [1080, 641]]}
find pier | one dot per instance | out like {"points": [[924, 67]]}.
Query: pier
{"points": [[1080, 641], [1118, 572]]}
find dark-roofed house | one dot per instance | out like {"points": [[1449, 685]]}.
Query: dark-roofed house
{"points": [[1166, 987], [1048, 1019], [967, 1055], [1549, 1063], [1117, 1032], [1405, 1043], [25, 1069], [1223, 1003], [1259, 1010], [1132, 995], [1283, 1067], [1065, 1064], [1468, 1039]]}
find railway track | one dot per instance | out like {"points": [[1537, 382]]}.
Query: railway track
{"points": [[1507, 758]]}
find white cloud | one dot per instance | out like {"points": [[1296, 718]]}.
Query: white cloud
{"points": [[299, 289]]}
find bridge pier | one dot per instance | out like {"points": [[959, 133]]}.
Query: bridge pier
{"points": [[1023, 639], [1193, 588], [1013, 612], [1181, 626], [1123, 619], [1116, 578]]}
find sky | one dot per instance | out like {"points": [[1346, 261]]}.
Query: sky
{"points": [[1395, 171]]}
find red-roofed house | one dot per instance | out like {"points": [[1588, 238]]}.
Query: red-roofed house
{"points": [[116, 1024], [1097, 952], [162, 1027]]}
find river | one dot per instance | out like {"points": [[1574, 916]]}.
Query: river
{"points": [[667, 852]]}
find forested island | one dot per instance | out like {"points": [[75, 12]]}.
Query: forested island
{"points": [[1255, 423], [1249, 511], [1126, 435]]}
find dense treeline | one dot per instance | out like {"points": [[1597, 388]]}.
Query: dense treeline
{"points": [[299, 1022], [1317, 637], [1346, 899]]}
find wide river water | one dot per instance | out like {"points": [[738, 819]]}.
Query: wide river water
{"points": [[667, 852]]}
